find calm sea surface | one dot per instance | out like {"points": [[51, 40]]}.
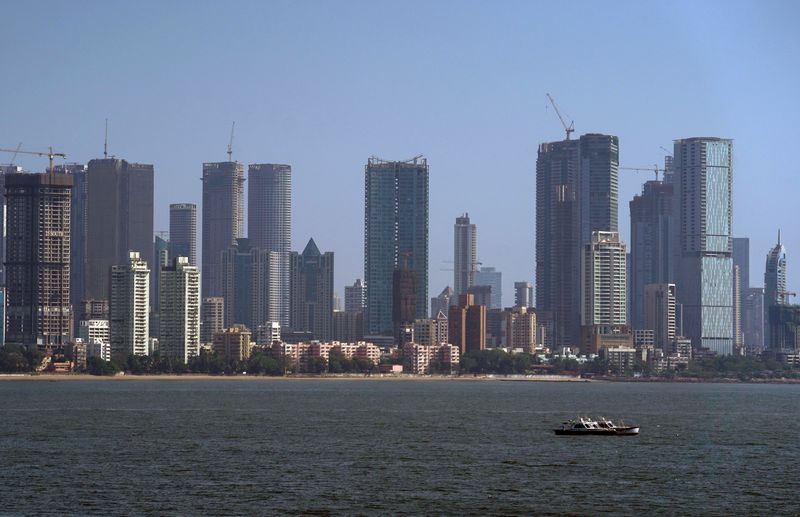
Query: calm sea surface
{"points": [[394, 447]]}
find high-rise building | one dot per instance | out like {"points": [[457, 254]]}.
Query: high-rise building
{"points": [[2, 313], [604, 295], [741, 260], [659, 313], [348, 326], [179, 319], [311, 288], [774, 285], [467, 325], [404, 299], [38, 258], [465, 254], [704, 278], [269, 223], [119, 215], [651, 233], [233, 343], [94, 331], [183, 231], [161, 257], [442, 302], [77, 231], [784, 328], [212, 318], [482, 295], [737, 309], [395, 226], [431, 332], [576, 194], [523, 294], [354, 296], [753, 319], [4, 170], [494, 278], [250, 285], [519, 329], [130, 299], [223, 219]]}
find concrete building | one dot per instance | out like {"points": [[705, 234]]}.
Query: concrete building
{"points": [[38, 259], [250, 285], [738, 338], [753, 320], [424, 359], [467, 325], [161, 258], [183, 231], [465, 254], [523, 294], [223, 219], [704, 280], [431, 331], [482, 294], [520, 329], [442, 302], [119, 215], [269, 224], [492, 277], [268, 333], [179, 322], [620, 359], [774, 285], [660, 313], [596, 337], [94, 331], [604, 280], [741, 259], [130, 298], [233, 343], [2, 314], [651, 257], [404, 300], [354, 296], [348, 326], [576, 194], [212, 318], [784, 328], [395, 226], [311, 287]]}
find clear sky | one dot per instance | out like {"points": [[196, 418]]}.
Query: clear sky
{"points": [[323, 85]]}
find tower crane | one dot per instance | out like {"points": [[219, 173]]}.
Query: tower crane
{"points": [[655, 169], [230, 142], [49, 153], [569, 129]]}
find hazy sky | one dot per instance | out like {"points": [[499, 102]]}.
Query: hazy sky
{"points": [[324, 85]]}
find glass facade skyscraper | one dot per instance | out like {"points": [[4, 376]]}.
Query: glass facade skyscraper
{"points": [[395, 231], [774, 285], [705, 264]]}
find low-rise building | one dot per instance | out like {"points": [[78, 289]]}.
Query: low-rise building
{"points": [[233, 343], [619, 358], [423, 357]]}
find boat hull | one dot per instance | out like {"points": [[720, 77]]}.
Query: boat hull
{"points": [[620, 431]]}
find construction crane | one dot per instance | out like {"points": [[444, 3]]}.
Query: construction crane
{"points": [[569, 129], [655, 169], [14, 157], [230, 142], [669, 153], [50, 154]]}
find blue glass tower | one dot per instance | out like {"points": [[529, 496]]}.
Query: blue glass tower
{"points": [[705, 263], [395, 230]]}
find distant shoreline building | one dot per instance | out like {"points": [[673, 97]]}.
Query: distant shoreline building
{"points": [[223, 219]]}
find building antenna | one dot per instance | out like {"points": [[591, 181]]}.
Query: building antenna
{"points": [[779, 236], [105, 142], [230, 142]]}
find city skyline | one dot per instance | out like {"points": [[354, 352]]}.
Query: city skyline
{"points": [[327, 157]]}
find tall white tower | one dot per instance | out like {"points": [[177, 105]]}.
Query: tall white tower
{"points": [[130, 302]]}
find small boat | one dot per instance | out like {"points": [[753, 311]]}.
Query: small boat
{"points": [[601, 426]]}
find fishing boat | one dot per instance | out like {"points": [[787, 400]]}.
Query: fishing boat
{"points": [[601, 426]]}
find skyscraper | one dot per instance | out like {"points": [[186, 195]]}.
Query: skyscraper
{"points": [[659, 313], [651, 253], [77, 237], [576, 194], [604, 295], [492, 277], [467, 325], [753, 319], [465, 254], [704, 279], [130, 298], [179, 319], [404, 298], [212, 318], [223, 219], [250, 287], [442, 302], [312, 292], [183, 231], [395, 225], [774, 284], [354, 296], [38, 258], [523, 294], [119, 215], [269, 222], [741, 265]]}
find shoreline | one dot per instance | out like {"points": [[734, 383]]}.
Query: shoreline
{"points": [[50, 377]]}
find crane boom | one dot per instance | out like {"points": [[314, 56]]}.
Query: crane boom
{"points": [[569, 129], [50, 154], [230, 142], [642, 169]]}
